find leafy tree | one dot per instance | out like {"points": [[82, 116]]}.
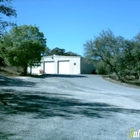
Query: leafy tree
{"points": [[47, 51], [2, 62], [6, 10], [59, 51], [127, 60], [69, 53], [26, 46], [131, 58], [136, 54], [115, 55], [106, 48], [4, 41], [101, 68]]}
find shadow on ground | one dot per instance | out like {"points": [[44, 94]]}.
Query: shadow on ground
{"points": [[4, 136], [44, 105], [6, 81], [59, 75]]}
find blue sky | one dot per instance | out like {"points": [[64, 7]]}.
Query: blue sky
{"points": [[69, 24]]}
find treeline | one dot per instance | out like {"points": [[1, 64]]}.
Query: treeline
{"points": [[59, 51], [115, 54]]}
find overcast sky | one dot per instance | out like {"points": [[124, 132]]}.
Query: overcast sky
{"points": [[69, 24]]}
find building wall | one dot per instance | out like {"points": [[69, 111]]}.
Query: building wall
{"points": [[86, 68], [35, 69]]}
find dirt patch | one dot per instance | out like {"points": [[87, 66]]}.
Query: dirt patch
{"points": [[8, 73]]}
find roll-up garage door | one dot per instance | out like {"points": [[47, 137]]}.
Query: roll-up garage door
{"points": [[49, 67], [64, 67]]}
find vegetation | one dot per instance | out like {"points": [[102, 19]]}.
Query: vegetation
{"points": [[115, 54], [6, 10], [23, 46], [59, 51]]}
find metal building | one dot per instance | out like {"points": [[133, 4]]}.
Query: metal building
{"points": [[57, 64]]}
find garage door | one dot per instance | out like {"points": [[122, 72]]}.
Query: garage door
{"points": [[64, 67], [49, 67]]}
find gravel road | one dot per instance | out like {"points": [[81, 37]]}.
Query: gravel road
{"points": [[84, 107]]}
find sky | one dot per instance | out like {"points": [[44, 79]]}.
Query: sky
{"points": [[68, 24]]}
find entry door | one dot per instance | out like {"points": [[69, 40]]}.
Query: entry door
{"points": [[74, 69], [64, 67], [49, 67]]}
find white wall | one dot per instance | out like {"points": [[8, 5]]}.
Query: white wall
{"points": [[35, 70], [74, 61]]}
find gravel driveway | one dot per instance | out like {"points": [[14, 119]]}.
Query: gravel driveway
{"points": [[84, 107]]}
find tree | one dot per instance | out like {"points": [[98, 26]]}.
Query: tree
{"points": [[47, 51], [131, 58], [2, 62], [106, 48], [59, 51], [69, 53], [6, 10], [26, 46], [136, 54], [4, 41]]}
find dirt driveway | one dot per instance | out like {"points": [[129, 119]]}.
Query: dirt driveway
{"points": [[82, 107]]}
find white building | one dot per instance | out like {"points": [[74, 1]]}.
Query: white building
{"points": [[57, 64]]}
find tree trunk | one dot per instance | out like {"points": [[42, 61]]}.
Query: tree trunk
{"points": [[114, 69], [118, 76], [139, 76], [25, 70]]}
